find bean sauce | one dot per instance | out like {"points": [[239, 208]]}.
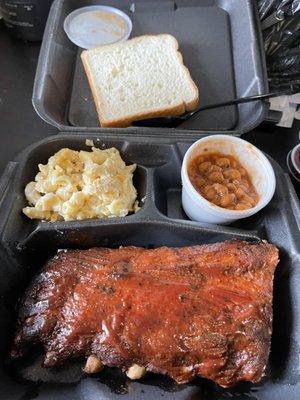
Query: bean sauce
{"points": [[222, 180]]}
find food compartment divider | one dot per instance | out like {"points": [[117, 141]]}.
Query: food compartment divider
{"points": [[222, 35], [151, 159], [160, 221]]}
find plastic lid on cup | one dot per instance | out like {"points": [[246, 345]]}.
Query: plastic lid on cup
{"points": [[293, 162], [94, 26]]}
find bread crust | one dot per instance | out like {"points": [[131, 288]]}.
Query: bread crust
{"points": [[174, 110], [89, 75]]}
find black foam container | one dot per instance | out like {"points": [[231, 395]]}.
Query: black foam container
{"points": [[221, 45], [25, 244]]}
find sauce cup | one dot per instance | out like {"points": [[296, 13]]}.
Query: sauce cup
{"points": [[253, 160]]}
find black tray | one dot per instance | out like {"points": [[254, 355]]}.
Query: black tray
{"points": [[221, 44], [25, 244]]}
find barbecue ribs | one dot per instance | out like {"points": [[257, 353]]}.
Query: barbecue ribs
{"points": [[201, 310]]}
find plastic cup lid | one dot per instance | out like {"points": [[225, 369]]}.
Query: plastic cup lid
{"points": [[94, 26]]}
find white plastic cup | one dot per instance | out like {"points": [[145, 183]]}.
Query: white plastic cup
{"points": [[293, 162], [253, 160], [93, 26]]}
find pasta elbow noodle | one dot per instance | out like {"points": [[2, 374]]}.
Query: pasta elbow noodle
{"points": [[77, 185]]}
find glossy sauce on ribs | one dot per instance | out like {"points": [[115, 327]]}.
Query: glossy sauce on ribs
{"points": [[200, 310]]}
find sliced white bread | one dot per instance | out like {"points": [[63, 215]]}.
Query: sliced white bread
{"points": [[141, 78]]}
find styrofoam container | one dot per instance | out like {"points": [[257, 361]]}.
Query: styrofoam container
{"points": [[26, 244], [259, 168], [211, 33]]}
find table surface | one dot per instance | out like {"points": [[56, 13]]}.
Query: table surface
{"points": [[21, 126]]}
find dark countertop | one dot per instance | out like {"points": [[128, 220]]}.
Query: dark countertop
{"points": [[21, 126]]}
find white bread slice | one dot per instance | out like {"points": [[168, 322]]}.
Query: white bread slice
{"points": [[141, 78]]}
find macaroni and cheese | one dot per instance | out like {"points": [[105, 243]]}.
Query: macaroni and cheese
{"points": [[76, 185]]}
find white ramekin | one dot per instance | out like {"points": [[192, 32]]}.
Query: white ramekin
{"points": [[259, 168]]}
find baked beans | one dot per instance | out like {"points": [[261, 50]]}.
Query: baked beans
{"points": [[221, 179]]}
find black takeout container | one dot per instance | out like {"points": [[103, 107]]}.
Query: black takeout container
{"points": [[221, 44], [26, 244]]}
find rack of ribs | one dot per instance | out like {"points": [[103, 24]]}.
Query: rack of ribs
{"points": [[185, 312]]}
